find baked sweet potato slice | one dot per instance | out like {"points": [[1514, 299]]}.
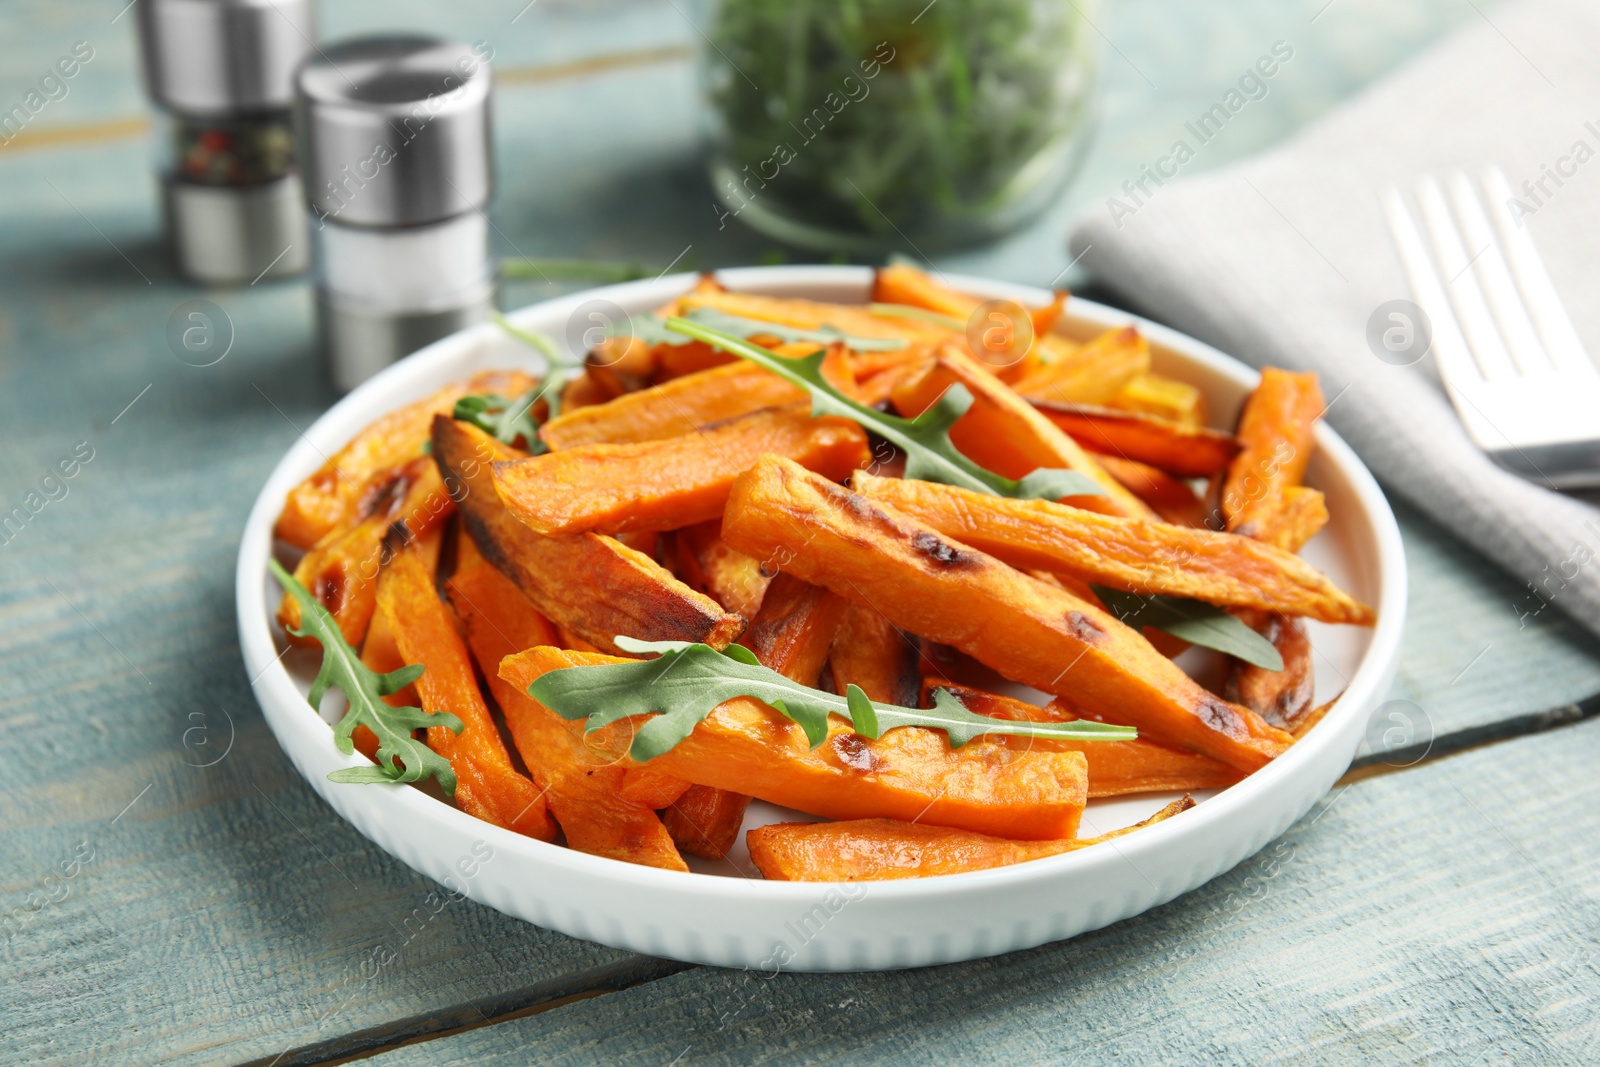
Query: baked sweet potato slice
{"points": [[945, 591], [1282, 698], [341, 570], [1094, 373], [794, 628], [870, 850], [684, 404], [790, 634], [587, 795], [1132, 554], [1300, 517], [653, 789], [705, 820], [590, 586], [900, 283], [424, 632], [670, 483], [705, 562], [813, 314], [1276, 432], [1004, 433], [869, 651], [1169, 497], [746, 747], [1185, 451], [1116, 768], [1167, 398], [674, 407], [333, 495]]}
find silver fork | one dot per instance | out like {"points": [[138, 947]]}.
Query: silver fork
{"points": [[1522, 384]]}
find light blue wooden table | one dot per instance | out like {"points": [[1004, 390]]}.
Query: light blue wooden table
{"points": [[217, 912]]}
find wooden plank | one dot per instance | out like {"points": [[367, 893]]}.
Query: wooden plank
{"points": [[1447, 913]]}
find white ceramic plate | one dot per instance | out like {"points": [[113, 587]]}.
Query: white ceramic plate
{"points": [[731, 921]]}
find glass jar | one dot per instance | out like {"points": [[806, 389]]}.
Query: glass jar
{"points": [[862, 125]]}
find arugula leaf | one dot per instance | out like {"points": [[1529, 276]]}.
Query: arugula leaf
{"points": [[654, 331], [506, 419], [560, 371], [911, 311], [925, 440], [1195, 621], [342, 669], [534, 338], [686, 681]]}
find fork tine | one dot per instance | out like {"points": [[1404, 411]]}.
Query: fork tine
{"points": [[1472, 311], [1505, 303], [1449, 347], [1544, 306]]}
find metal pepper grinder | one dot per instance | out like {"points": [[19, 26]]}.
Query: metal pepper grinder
{"points": [[221, 74], [394, 137]]}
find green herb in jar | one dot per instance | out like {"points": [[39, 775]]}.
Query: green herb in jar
{"points": [[854, 123]]}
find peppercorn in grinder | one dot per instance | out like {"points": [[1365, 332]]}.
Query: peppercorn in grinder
{"points": [[221, 74]]}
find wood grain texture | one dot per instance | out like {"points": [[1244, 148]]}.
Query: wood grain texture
{"points": [[1448, 914], [227, 915]]}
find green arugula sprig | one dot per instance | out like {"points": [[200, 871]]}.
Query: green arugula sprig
{"points": [[559, 371], [363, 687], [506, 419], [911, 311], [686, 681], [925, 440], [651, 330], [1195, 621]]}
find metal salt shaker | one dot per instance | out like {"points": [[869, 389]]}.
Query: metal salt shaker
{"points": [[393, 135], [221, 74]]}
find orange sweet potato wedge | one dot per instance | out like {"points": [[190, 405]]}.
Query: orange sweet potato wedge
{"points": [[1185, 451], [1282, 698], [586, 793], [1169, 497], [794, 628], [705, 562], [333, 495], [341, 570], [675, 482], [1167, 398], [674, 407], [1133, 554], [705, 820], [745, 747], [653, 789], [1301, 517], [684, 404], [1094, 373], [868, 850], [1276, 432], [592, 587], [943, 590], [900, 283], [1004, 433], [1116, 768], [812, 314], [424, 632], [790, 634], [869, 651]]}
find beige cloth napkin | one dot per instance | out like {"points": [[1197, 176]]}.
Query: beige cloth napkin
{"points": [[1283, 259]]}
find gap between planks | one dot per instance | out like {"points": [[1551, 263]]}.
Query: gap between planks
{"points": [[81, 133], [415, 1031]]}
